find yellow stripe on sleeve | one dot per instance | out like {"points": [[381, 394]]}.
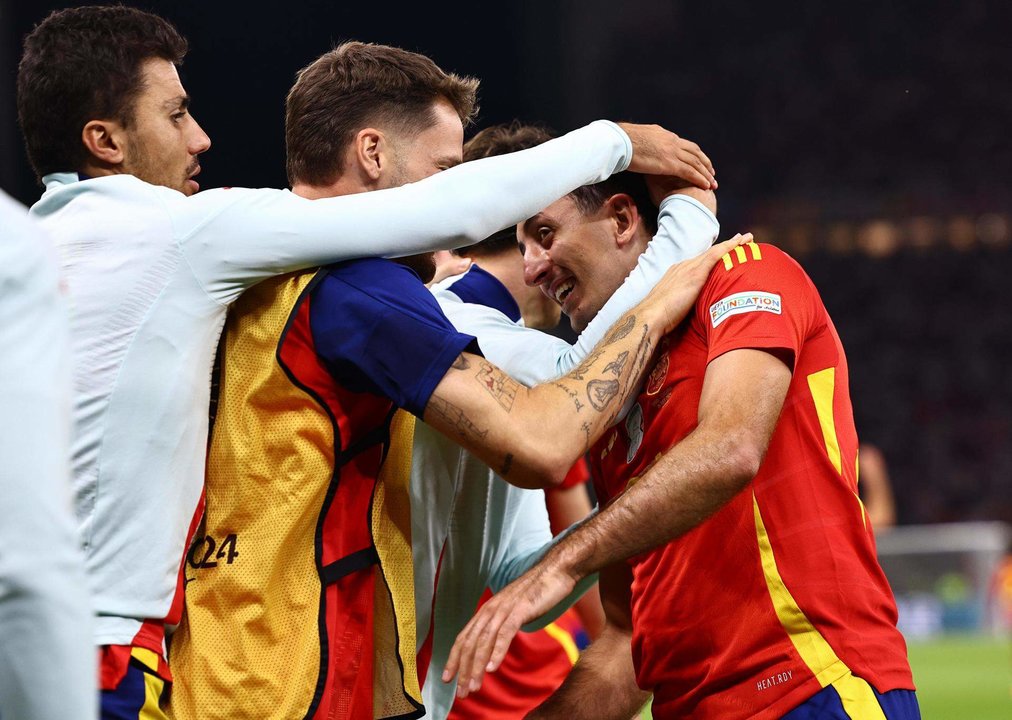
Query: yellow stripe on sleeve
{"points": [[756, 252], [857, 479], [740, 252], [726, 257]]}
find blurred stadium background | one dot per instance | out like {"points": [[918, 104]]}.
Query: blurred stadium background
{"points": [[869, 139]]}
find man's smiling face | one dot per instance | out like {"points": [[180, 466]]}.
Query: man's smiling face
{"points": [[573, 257]]}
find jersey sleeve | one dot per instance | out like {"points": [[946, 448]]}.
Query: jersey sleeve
{"points": [[377, 329], [528, 356], [756, 297], [233, 238]]}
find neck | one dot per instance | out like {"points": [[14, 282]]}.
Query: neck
{"points": [[344, 185], [504, 268], [93, 169]]}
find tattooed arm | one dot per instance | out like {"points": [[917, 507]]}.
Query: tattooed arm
{"points": [[531, 437]]}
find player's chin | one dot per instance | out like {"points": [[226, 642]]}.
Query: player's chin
{"points": [[578, 320]]}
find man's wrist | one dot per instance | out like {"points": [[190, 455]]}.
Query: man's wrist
{"points": [[571, 557]]}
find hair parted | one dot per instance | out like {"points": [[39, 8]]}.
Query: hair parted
{"points": [[83, 64], [356, 85]]}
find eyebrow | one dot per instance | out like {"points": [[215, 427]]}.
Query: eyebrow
{"points": [[181, 102]]}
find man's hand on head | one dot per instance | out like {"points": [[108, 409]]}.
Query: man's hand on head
{"points": [[662, 186], [657, 151]]}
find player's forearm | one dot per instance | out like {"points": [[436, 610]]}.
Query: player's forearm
{"points": [[602, 685], [531, 437], [257, 233], [743, 393], [684, 487], [562, 419]]}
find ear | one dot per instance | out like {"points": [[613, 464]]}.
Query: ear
{"points": [[105, 140], [371, 153], [626, 216]]}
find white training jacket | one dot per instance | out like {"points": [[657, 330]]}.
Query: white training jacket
{"points": [[47, 660], [150, 274], [486, 531]]}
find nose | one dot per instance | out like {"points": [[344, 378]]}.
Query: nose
{"points": [[537, 264], [199, 141]]}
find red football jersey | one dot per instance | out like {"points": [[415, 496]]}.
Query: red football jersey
{"points": [[778, 594], [534, 667]]}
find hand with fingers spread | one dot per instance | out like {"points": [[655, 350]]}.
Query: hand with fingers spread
{"points": [[482, 644], [657, 151]]}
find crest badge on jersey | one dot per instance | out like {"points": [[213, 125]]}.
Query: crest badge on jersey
{"points": [[656, 380]]}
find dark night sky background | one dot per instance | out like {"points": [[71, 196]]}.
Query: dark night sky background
{"points": [[815, 114]]}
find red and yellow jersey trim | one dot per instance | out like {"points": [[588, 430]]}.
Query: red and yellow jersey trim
{"points": [[857, 695]]}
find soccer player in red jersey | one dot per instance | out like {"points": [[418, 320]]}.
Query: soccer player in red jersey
{"points": [[738, 567]]}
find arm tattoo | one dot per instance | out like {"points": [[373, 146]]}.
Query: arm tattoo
{"points": [[507, 463], [601, 392], [456, 419], [623, 328], [572, 395], [584, 367], [461, 363], [498, 385], [618, 364]]}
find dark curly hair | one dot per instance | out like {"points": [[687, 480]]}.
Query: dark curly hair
{"points": [[83, 64]]}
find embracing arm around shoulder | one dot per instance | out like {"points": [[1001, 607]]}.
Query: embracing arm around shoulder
{"points": [[531, 437], [234, 238], [743, 393]]}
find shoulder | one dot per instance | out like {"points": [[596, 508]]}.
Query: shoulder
{"points": [[380, 284], [23, 244], [755, 259], [755, 266], [377, 276]]}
